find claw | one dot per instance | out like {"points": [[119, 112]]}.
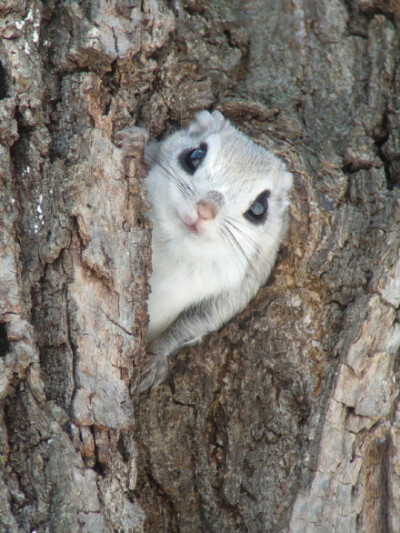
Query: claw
{"points": [[132, 141], [154, 372]]}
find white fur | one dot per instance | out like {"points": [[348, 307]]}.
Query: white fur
{"points": [[189, 268], [205, 269]]}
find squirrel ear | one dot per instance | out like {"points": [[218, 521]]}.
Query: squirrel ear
{"points": [[207, 122]]}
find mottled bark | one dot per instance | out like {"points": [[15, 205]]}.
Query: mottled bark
{"points": [[287, 420]]}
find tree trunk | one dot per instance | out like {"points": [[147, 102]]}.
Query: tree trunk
{"points": [[286, 420]]}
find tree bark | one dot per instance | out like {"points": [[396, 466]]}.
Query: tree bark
{"points": [[286, 420]]}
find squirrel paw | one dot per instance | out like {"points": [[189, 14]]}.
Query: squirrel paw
{"points": [[154, 371], [132, 141]]}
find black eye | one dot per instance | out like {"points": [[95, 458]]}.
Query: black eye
{"points": [[191, 159], [257, 212]]}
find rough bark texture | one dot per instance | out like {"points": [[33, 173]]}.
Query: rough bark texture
{"points": [[287, 420]]}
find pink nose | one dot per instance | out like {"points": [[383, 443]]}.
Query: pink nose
{"points": [[206, 210]]}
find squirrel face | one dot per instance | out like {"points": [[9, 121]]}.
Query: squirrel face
{"points": [[217, 193]]}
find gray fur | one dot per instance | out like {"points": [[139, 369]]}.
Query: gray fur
{"points": [[202, 277]]}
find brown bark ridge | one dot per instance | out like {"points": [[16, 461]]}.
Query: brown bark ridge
{"points": [[286, 420]]}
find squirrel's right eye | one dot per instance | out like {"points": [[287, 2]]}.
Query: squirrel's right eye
{"points": [[191, 159]]}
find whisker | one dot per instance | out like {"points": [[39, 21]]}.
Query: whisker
{"points": [[244, 234], [237, 223], [242, 251], [231, 245], [260, 230], [255, 246], [164, 240], [165, 160], [173, 178]]}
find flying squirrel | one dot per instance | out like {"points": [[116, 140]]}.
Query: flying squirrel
{"points": [[218, 205]]}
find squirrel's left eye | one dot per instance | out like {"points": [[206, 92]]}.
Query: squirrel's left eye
{"points": [[257, 212], [191, 159]]}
